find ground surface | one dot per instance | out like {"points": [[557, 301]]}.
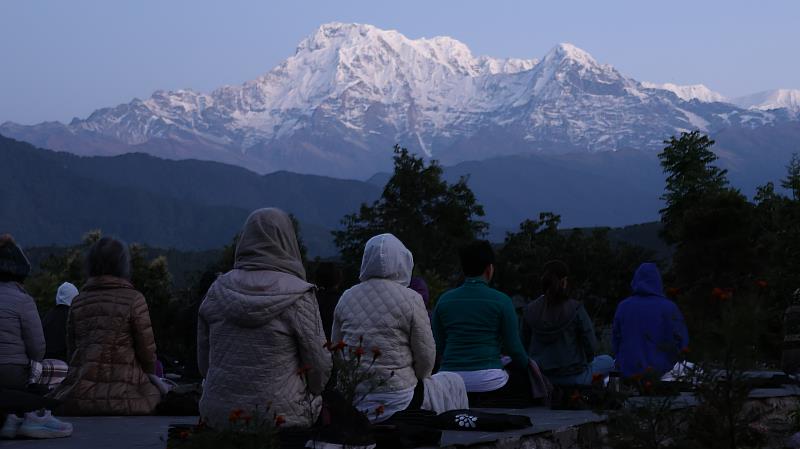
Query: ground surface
{"points": [[139, 432]]}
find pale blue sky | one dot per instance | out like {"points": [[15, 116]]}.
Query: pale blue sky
{"points": [[60, 59]]}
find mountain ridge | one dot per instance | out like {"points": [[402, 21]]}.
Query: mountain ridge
{"points": [[351, 91]]}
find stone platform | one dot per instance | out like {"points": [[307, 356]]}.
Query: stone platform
{"points": [[551, 428]]}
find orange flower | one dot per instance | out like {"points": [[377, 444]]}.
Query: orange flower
{"points": [[183, 435], [597, 378], [685, 351], [673, 292], [379, 410], [339, 346], [762, 284], [280, 420], [376, 352]]}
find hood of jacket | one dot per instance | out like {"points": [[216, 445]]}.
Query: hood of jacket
{"points": [[268, 243], [12, 259], [65, 294], [253, 298], [549, 320], [385, 257], [647, 281]]}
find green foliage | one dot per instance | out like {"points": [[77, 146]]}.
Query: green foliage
{"points": [[256, 430], [600, 269], [687, 161], [792, 180], [430, 216], [651, 422]]}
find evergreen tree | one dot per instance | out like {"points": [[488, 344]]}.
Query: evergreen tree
{"points": [[792, 181], [687, 162], [432, 217]]}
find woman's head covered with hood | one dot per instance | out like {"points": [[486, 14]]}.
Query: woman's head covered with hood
{"points": [[268, 242], [385, 257]]}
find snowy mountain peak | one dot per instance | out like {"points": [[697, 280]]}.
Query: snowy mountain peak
{"points": [[568, 52], [689, 92], [772, 99]]}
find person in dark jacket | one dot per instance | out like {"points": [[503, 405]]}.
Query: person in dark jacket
{"points": [[55, 323], [649, 330], [474, 326], [559, 333]]}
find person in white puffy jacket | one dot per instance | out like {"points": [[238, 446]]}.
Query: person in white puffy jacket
{"points": [[385, 315]]}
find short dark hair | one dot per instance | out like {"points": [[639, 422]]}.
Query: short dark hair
{"points": [[475, 257], [109, 257]]}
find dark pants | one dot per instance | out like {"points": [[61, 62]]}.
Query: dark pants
{"points": [[14, 377], [516, 393]]}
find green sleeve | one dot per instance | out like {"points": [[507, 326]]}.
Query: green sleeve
{"points": [[512, 344]]}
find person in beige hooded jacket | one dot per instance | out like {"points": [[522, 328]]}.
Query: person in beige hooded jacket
{"points": [[258, 326], [385, 315]]}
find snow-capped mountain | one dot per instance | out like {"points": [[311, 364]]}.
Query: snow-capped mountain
{"points": [[689, 92], [771, 99], [351, 91]]}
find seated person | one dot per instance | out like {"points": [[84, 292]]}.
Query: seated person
{"points": [[649, 331], [258, 327], [55, 323], [22, 346], [559, 333], [474, 326], [790, 351], [383, 314], [110, 344]]}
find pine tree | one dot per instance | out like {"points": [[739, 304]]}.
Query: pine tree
{"points": [[687, 162], [429, 215], [792, 181]]}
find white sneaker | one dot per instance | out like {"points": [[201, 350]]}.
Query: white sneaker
{"points": [[44, 426], [10, 427]]}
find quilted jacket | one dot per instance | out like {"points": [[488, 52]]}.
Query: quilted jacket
{"points": [[21, 336], [110, 350], [388, 315], [258, 326]]}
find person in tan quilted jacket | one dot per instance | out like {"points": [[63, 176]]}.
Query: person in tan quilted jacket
{"points": [[387, 316], [258, 327], [110, 344]]}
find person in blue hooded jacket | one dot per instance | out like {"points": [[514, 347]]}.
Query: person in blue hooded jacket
{"points": [[649, 331]]}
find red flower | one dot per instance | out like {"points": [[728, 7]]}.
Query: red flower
{"points": [[722, 294], [648, 386], [576, 396], [762, 284], [360, 352], [673, 292], [235, 415], [280, 420], [597, 378], [376, 352], [303, 370], [379, 410], [339, 346], [183, 435]]}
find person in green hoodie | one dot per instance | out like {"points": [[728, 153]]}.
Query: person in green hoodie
{"points": [[560, 335], [474, 327]]}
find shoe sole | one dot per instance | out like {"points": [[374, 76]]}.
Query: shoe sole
{"points": [[42, 434]]}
